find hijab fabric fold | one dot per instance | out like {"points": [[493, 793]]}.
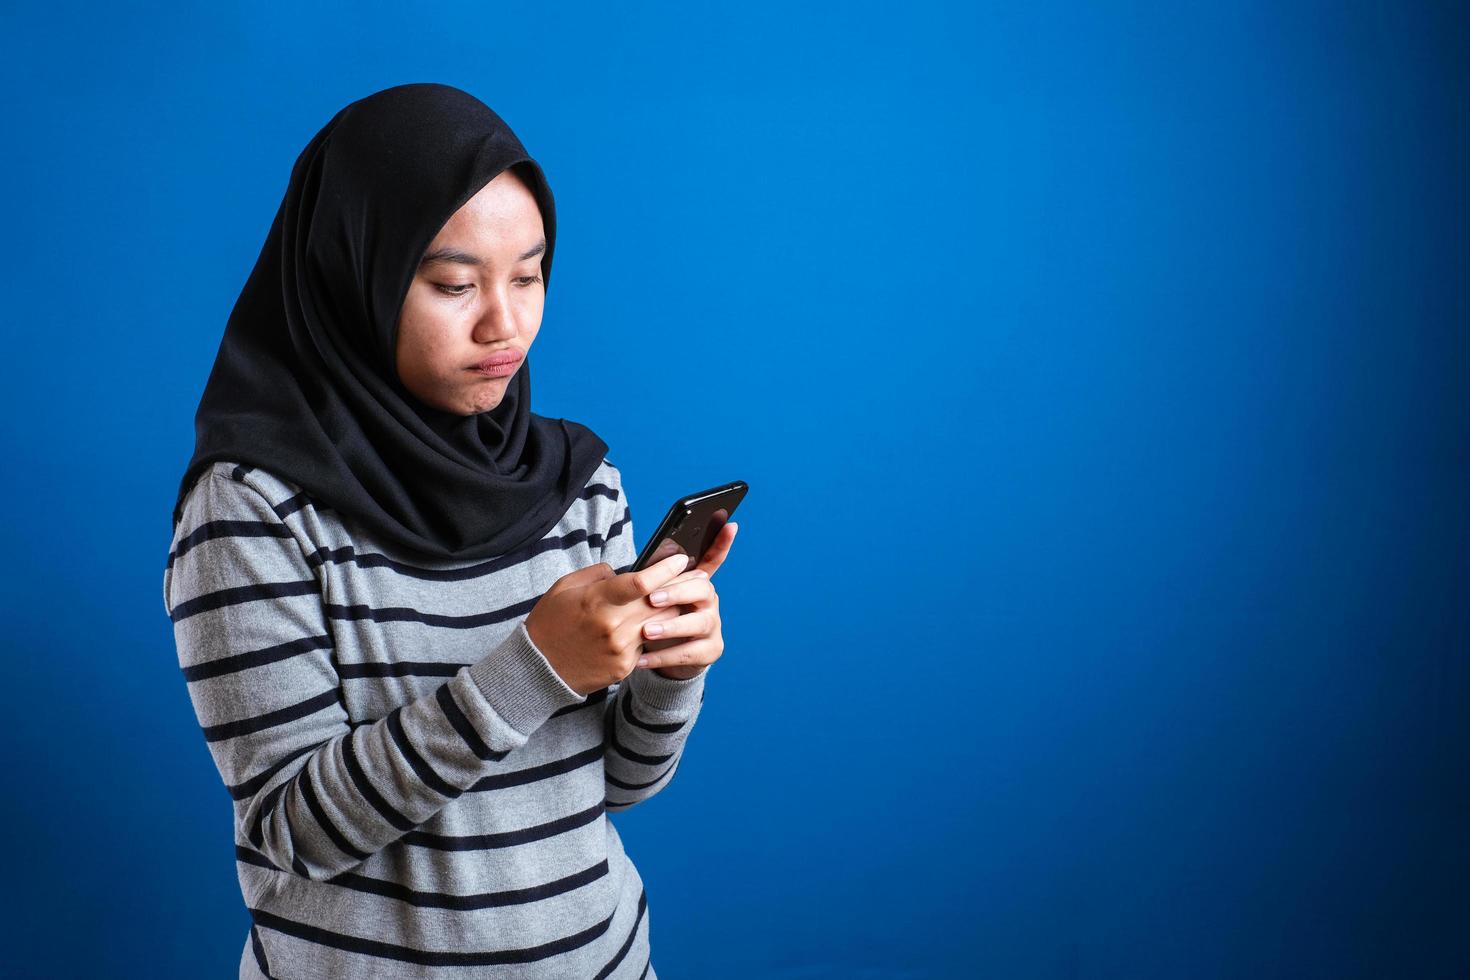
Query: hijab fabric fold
{"points": [[305, 385]]}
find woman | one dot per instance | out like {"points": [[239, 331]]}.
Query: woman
{"points": [[401, 599]]}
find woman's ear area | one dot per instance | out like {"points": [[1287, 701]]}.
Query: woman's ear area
{"points": [[395, 338], [395, 341], [403, 338]]}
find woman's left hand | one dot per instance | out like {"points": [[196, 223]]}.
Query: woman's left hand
{"points": [[690, 639]]}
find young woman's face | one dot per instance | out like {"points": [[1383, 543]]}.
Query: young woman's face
{"points": [[477, 293]]}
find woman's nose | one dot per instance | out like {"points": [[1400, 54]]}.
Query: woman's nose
{"points": [[497, 320]]}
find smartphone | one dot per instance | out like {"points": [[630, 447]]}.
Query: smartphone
{"points": [[691, 525]]}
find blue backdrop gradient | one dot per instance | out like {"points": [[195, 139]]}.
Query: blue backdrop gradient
{"points": [[1101, 604]]}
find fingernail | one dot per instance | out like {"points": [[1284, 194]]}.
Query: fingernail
{"points": [[654, 629], [643, 661], [701, 573], [658, 596]]}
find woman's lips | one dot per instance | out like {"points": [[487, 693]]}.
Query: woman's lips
{"points": [[499, 365]]}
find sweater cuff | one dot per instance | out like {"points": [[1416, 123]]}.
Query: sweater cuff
{"points": [[669, 695], [520, 683]]}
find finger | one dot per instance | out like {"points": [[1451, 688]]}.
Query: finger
{"points": [[689, 653], [661, 615], [691, 624], [634, 586], [693, 575], [720, 550], [682, 590]]}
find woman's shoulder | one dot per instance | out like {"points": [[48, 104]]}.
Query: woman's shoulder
{"points": [[242, 508], [223, 481], [607, 474]]}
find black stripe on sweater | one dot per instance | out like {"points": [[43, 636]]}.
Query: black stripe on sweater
{"points": [[354, 881], [424, 957], [257, 829], [242, 593], [251, 786], [398, 668], [506, 838], [461, 724], [612, 964], [406, 614], [617, 527], [210, 530], [366, 788], [546, 770], [259, 951], [471, 903], [596, 697], [622, 785], [420, 765], [315, 806], [281, 716], [256, 658], [610, 730], [625, 516], [348, 554], [600, 490], [294, 503], [647, 726]]}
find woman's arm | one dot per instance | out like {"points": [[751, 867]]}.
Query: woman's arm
{"points": [[649, 717], [312, 795]]}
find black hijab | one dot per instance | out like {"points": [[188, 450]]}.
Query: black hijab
{"points": [[305, 384]]}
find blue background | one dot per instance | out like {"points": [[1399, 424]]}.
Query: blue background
{"points": [[1100, 602]]}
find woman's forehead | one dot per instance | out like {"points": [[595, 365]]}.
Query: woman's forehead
{"points": [[501, 220]]}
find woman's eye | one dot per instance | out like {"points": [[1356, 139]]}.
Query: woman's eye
{"points": [[461, 288]]}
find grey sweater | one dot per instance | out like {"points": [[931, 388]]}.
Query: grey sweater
{"points": [[416, 792]]}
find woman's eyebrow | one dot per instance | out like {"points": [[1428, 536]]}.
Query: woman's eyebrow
{"points": [[465, 258]]}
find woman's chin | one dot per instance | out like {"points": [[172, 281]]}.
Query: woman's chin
{"points": [[481, 405]]}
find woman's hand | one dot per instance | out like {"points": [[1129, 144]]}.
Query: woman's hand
{"points": [[689, 637], [589, 624]]}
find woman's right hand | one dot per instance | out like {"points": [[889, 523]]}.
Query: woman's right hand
{"points": [[589, 624]]}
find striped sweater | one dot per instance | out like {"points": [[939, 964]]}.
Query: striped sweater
{"points": [[416, 792]]}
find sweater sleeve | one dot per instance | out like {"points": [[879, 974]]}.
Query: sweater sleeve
{"points": [[312, 794], [648, 718]]}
